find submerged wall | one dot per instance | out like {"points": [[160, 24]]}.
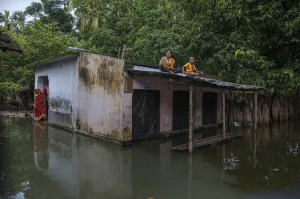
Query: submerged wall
{"points": [[100, 96], [166, 100], [61, 77]]}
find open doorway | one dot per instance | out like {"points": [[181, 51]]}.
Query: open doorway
{"points": [[180, 110], [43, 85]]}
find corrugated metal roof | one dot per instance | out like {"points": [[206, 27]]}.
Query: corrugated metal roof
{"points": [[197, 81], [152, 70]]}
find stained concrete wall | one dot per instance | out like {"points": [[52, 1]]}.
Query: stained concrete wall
{"points": [[61, 78], [166, 100], [100, 96]]}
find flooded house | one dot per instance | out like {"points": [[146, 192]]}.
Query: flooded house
{"points": [[122, 102]]}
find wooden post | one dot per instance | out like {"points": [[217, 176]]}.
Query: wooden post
{"points": [[224, 122], [190, 175], [255, 110], [123, 51], [223, 159], [191, 121], [254, 155]]}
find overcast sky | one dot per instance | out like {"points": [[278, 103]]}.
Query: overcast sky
{"points": [[15, 5]]}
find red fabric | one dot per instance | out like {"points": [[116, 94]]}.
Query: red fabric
{"points": [[40, 106]]}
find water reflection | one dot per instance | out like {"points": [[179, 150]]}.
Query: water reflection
{"points": [[41, 145], [40, 161], [83, 168]]}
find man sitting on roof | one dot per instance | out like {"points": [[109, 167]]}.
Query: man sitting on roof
{"points": [[166, 64], [191, 69]]}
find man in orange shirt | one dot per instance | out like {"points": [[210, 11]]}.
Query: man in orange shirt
{"points": [[191, 69], [166, 64]]}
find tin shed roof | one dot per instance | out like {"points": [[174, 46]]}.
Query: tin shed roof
{"points": [[184, 79]]}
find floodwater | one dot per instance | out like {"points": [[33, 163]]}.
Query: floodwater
{"points": [[39, 161]]}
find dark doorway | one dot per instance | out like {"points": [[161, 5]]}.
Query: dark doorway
{"points": [[209, 108], [180, 110], [145, 115]]}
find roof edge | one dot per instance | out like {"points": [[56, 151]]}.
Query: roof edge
{"points": [[36, 63]]}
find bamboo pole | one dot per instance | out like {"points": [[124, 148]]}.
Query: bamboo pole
{"points": [[224, 122], [255, 110], [191, 121]]}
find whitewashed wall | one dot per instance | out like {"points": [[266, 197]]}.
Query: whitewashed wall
{"points": [[61, 79]]}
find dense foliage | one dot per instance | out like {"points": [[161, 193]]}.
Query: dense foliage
{"points": [[252, 42], [39, 41], [244, 41]]}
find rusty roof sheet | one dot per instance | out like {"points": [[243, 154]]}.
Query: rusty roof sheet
{"points": [[197, 81]]}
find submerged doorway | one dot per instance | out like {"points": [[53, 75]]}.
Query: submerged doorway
{"points": [[43, 85], [180, 110], [145, 115], [209, 108]]}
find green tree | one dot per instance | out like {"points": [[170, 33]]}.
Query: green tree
{"points": [[108, 25], [162, 30], [2, 17], [8, 89], [18, 21], [6, 20], [34, 9], [57, 11]]}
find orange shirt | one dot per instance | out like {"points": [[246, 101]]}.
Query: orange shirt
{"points": [[168, 63], [190, 67]]}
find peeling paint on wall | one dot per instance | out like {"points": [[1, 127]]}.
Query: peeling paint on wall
{"points": [[60, 104]]}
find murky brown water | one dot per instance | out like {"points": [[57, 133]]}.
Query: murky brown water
{"points": [[39, 161]]}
